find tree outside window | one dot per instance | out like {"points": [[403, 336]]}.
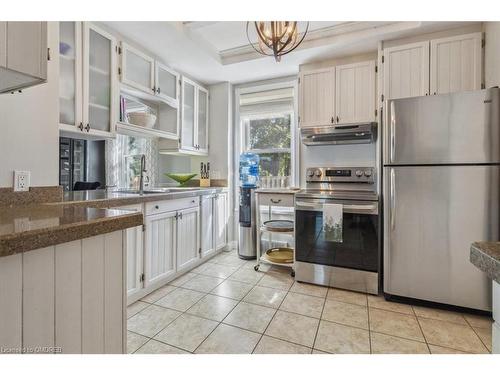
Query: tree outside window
{"points": [[269, 135]]}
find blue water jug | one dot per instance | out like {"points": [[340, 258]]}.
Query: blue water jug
{"points": [[249, 169]]}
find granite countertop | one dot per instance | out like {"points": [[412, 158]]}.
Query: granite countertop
{"points": [[106, 199], [30, 227], [54, 218], [486, 257]]}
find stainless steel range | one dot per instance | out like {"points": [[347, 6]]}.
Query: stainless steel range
{"points": [[351, 259]]}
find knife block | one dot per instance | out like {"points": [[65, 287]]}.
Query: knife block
{"points": [[204, 182]]}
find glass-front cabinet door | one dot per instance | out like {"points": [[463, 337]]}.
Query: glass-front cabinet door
{"points": [[188, 135], [167, 84], [202, 123], [99, 80], [137, 69], [70, 77]]}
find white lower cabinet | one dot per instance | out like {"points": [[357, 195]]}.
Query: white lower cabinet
{"points": [[160, 244], [495, 327], [68, 297], [207, 216], [177, 236], [134, 245], [213, 224], [188, 239], [220, 220]]}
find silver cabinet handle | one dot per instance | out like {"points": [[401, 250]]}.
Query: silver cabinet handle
{"points": [[370, 209], [393, 133], [393, 198]]}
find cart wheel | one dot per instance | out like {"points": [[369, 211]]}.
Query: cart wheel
{"points": [[293, 273], [256, 268]]}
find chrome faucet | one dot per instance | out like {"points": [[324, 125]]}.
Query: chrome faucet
{"points": [[142, 176]]}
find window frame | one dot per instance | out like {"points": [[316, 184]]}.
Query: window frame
{"points": [[240, 145], [245, 134]]}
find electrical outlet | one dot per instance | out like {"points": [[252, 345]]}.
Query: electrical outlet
{"points": [[21, 180]]}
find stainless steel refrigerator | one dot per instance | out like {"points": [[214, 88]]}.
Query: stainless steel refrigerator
{"points": [[441, 158]]}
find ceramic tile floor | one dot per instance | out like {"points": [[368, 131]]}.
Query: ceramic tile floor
{"points": [[224, 306]]}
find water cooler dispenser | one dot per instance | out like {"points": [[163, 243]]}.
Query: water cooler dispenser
{"points": [[249, 178]]}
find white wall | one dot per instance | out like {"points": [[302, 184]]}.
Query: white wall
{"points": [[492, 54], [29, 127]]}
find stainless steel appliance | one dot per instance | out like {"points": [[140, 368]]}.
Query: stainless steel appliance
{"points": [[353, 263], [247, 231], [339, 134], [441, 192], [81, 161]]}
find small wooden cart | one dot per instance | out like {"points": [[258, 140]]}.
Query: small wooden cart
{"points": [[273, 198]]}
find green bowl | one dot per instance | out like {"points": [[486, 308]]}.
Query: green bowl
{"points": [[181, 178]]}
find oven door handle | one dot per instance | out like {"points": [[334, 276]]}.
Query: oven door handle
{"points": [[370, 209]]}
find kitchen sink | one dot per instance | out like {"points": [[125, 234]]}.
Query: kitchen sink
{"points": [[146, 191], [177, 189], [156, 190]]}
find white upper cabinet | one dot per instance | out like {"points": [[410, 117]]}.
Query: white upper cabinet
{"points": [[138, 69], [438, 66], [337, 95], [188, 239], [3, 44], [406, 70], [99, 80], [142, 72], [194, 121], [456, 63], [70, 74], [87, 81], [167, 83], [202, 120], [23, 54], [188, 116], [355, 92], [317, 101]]}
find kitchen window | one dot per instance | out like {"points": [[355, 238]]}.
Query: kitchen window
{"points": [[267, 125], [270, 136], [125, 163]]}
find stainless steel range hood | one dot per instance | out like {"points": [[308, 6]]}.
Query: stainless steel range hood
{"points": [[339, 134]]}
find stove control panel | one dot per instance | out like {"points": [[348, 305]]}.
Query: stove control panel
{"points": [[341, 174]]}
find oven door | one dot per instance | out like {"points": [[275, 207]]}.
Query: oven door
{"points": [[359, 248]]}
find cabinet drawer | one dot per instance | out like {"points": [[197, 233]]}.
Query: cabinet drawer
{"points": [[158, 207], [280, 200]]}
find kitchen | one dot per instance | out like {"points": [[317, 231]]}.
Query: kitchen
{"points": [[339, 199]]}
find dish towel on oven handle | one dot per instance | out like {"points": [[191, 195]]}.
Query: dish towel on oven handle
{"points": [[332, 222]]}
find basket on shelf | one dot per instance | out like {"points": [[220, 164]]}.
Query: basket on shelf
{"points": [[282, 255]]}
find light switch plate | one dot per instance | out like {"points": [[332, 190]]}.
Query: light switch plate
{"points": [[22, 180]]}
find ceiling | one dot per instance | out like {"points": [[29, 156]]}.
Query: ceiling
{"points": [[213, 52]]}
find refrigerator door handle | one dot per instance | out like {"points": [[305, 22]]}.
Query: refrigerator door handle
{"points": [[393, 198], [393, 133]]}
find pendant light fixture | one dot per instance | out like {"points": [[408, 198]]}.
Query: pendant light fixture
{"points": [[276, 38]]}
